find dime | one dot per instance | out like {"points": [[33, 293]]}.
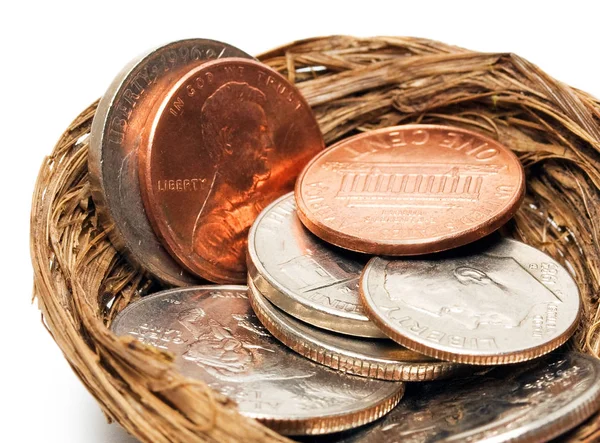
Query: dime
{"points": [[230, 137], [382, 359], [536, 401], [409, 190], [304, 276], [114, 144], [498, 301], [216, 338]]}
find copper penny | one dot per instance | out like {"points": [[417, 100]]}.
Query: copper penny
{"points": [[229, 137], [114, 143], [411, 189]]}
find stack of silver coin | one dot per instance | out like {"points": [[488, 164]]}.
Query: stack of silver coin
{"points": [[381, 274], [337, 370]]}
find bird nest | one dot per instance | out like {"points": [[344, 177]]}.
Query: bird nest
{"points": [[81, 281]]}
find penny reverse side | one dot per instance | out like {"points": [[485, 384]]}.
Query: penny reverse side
{"points": [[532, 402], [409, 190], [216, 338], [497, 301], [114, 144], [229, 138], [383, 359], [306, 277]]}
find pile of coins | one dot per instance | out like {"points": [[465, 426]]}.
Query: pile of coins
{"points": [[369, 265]]}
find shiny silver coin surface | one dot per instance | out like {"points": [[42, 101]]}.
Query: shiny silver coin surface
{"points": [[530, 402], [493, 302], [114, 143], [375, 358], [305, 276], [216, 338]]}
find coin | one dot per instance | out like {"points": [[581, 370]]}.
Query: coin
{"points": [[306, 277], [114, 143], [409, 190], [536, 401], [494, 302], [382, 359], [216, 338], [230, 137]]}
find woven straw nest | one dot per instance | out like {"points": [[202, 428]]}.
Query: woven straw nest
{"points": [[82, 282]]}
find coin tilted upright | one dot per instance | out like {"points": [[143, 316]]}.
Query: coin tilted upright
{"points": [[531, 402], [229, 138], [410, 190], [497, 301], [304, 276], [375, 358], [216, 338], [114, 144]]}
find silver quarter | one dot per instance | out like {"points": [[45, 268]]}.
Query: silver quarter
{"points": [[216, 338], [536, 401], [383, 359], [494, 302], [114, 142], [304, 276]]}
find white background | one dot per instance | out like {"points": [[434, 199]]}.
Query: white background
{"points": [[56, 58]]}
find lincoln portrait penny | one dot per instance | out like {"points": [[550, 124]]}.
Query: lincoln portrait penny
{"points": [[230, 137], [115, 143]]}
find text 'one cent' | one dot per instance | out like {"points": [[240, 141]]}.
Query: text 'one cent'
{"points": [[411, 189]]}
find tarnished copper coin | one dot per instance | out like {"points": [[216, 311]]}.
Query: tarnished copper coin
{"points": [[114, 142], [411, 189], [229, 138]]}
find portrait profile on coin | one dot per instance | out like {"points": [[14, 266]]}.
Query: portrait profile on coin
{"points": [[491, 292], [227, 139], [238, 140]]}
